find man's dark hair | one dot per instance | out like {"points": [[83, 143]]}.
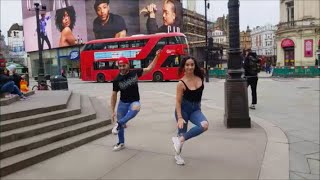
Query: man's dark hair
{"points": [[59, 16], [98, 2], [177, 9]]}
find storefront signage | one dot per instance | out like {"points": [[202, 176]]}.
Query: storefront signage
{"points": [[287, 43], [74, 55], [308, 48]]}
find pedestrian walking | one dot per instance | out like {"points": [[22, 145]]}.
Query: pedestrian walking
{"points": [[129, 105], [252, 68], [188, 105]]}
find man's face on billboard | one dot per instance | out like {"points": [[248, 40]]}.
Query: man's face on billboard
{"points": [[103, 11], [168, 13]]}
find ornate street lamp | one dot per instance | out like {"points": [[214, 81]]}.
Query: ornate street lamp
{"points": [[206, 6], [236, 95], [42, 83]]}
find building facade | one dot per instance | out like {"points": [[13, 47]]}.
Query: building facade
{"points": [[219, 37], [263, 39], [245, 39], [17, 52], [298, 34]]}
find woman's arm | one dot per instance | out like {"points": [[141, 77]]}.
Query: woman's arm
{"points": [[67, 38], [179, 94]]}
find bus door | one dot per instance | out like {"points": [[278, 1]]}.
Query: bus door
{"points": [[170, 67]]}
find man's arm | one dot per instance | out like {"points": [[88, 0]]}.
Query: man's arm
{"points": [[152, 26], [113, 104], [152, 64]]}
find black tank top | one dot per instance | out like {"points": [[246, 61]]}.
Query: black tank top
{"points": [[193, 95]]}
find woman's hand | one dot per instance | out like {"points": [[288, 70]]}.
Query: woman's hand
{"points": [[181, 123]]}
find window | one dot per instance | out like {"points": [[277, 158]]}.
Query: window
{"points": [[105, 65], [124, 44], [290, 12], [138, 43], [135, 64], [172, 61]]}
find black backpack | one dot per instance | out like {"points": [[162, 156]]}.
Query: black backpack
{"points": [[254, 65]]}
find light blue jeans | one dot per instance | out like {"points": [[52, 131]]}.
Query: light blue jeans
{"points": [[191, 111], [125, 113]]}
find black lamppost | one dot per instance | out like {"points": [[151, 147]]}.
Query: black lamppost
{"points": [[236, 95], [42, 83], [206, 29]]}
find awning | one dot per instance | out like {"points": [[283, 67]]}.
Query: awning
{"points": [[287, 43]]}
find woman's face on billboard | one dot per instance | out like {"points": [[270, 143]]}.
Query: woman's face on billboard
{"points": [[66, 19], [103, 11], [168, 14]]}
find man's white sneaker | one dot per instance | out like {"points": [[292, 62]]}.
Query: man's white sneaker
{"points": [[176, 144], [118, 147], [115, 129], [179, 160]]}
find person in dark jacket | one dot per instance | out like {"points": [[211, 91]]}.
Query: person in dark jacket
{"points": [[7, 84], [251, 74], [172, 17], [16, 77]]}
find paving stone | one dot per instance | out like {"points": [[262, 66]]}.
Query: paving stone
{"points": [[294, 176], [314, 166], [305, 147], [298, 162], [293, 139], [314, 156], [308, 176]]}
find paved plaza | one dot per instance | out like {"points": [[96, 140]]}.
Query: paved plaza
{"points": [[284, 105]]}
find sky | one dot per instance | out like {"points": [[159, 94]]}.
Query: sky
{"points": [[252, 12]]}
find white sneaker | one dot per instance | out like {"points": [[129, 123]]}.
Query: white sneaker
{"points": [[118, 147], [176, 144], [179, 160], [252, 106], [115, 129]]}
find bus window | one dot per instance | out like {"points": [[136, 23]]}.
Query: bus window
{"points": [[112, 45], [135, 64], [172, 61], [98, 46], [138, 43], [173, 40], [124, 44], [105, 65]]}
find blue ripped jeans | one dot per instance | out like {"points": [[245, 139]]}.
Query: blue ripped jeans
{"points": [[191, 111], [125, 113]]}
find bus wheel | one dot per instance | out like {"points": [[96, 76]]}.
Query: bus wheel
{"points": [[100, 78], [157, 76]]}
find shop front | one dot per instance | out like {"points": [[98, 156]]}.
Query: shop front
{"points": [[288, 47]]}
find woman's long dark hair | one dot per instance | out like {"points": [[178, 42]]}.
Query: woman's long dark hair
{"points": [[197, 71], [59, 16]]}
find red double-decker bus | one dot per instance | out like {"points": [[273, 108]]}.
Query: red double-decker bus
{"points": [[2, 61], [98, 59]]}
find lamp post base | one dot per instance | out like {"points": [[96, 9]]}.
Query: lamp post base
{"points": [[236, 104]]}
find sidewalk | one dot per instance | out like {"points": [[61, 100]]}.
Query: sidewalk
{"points": [[219, 153]]}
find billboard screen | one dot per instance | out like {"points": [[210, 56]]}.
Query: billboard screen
{"points": [[65, 22]]}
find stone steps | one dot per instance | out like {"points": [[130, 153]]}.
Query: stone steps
{"points": [[73, 108], [39, 136]]}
